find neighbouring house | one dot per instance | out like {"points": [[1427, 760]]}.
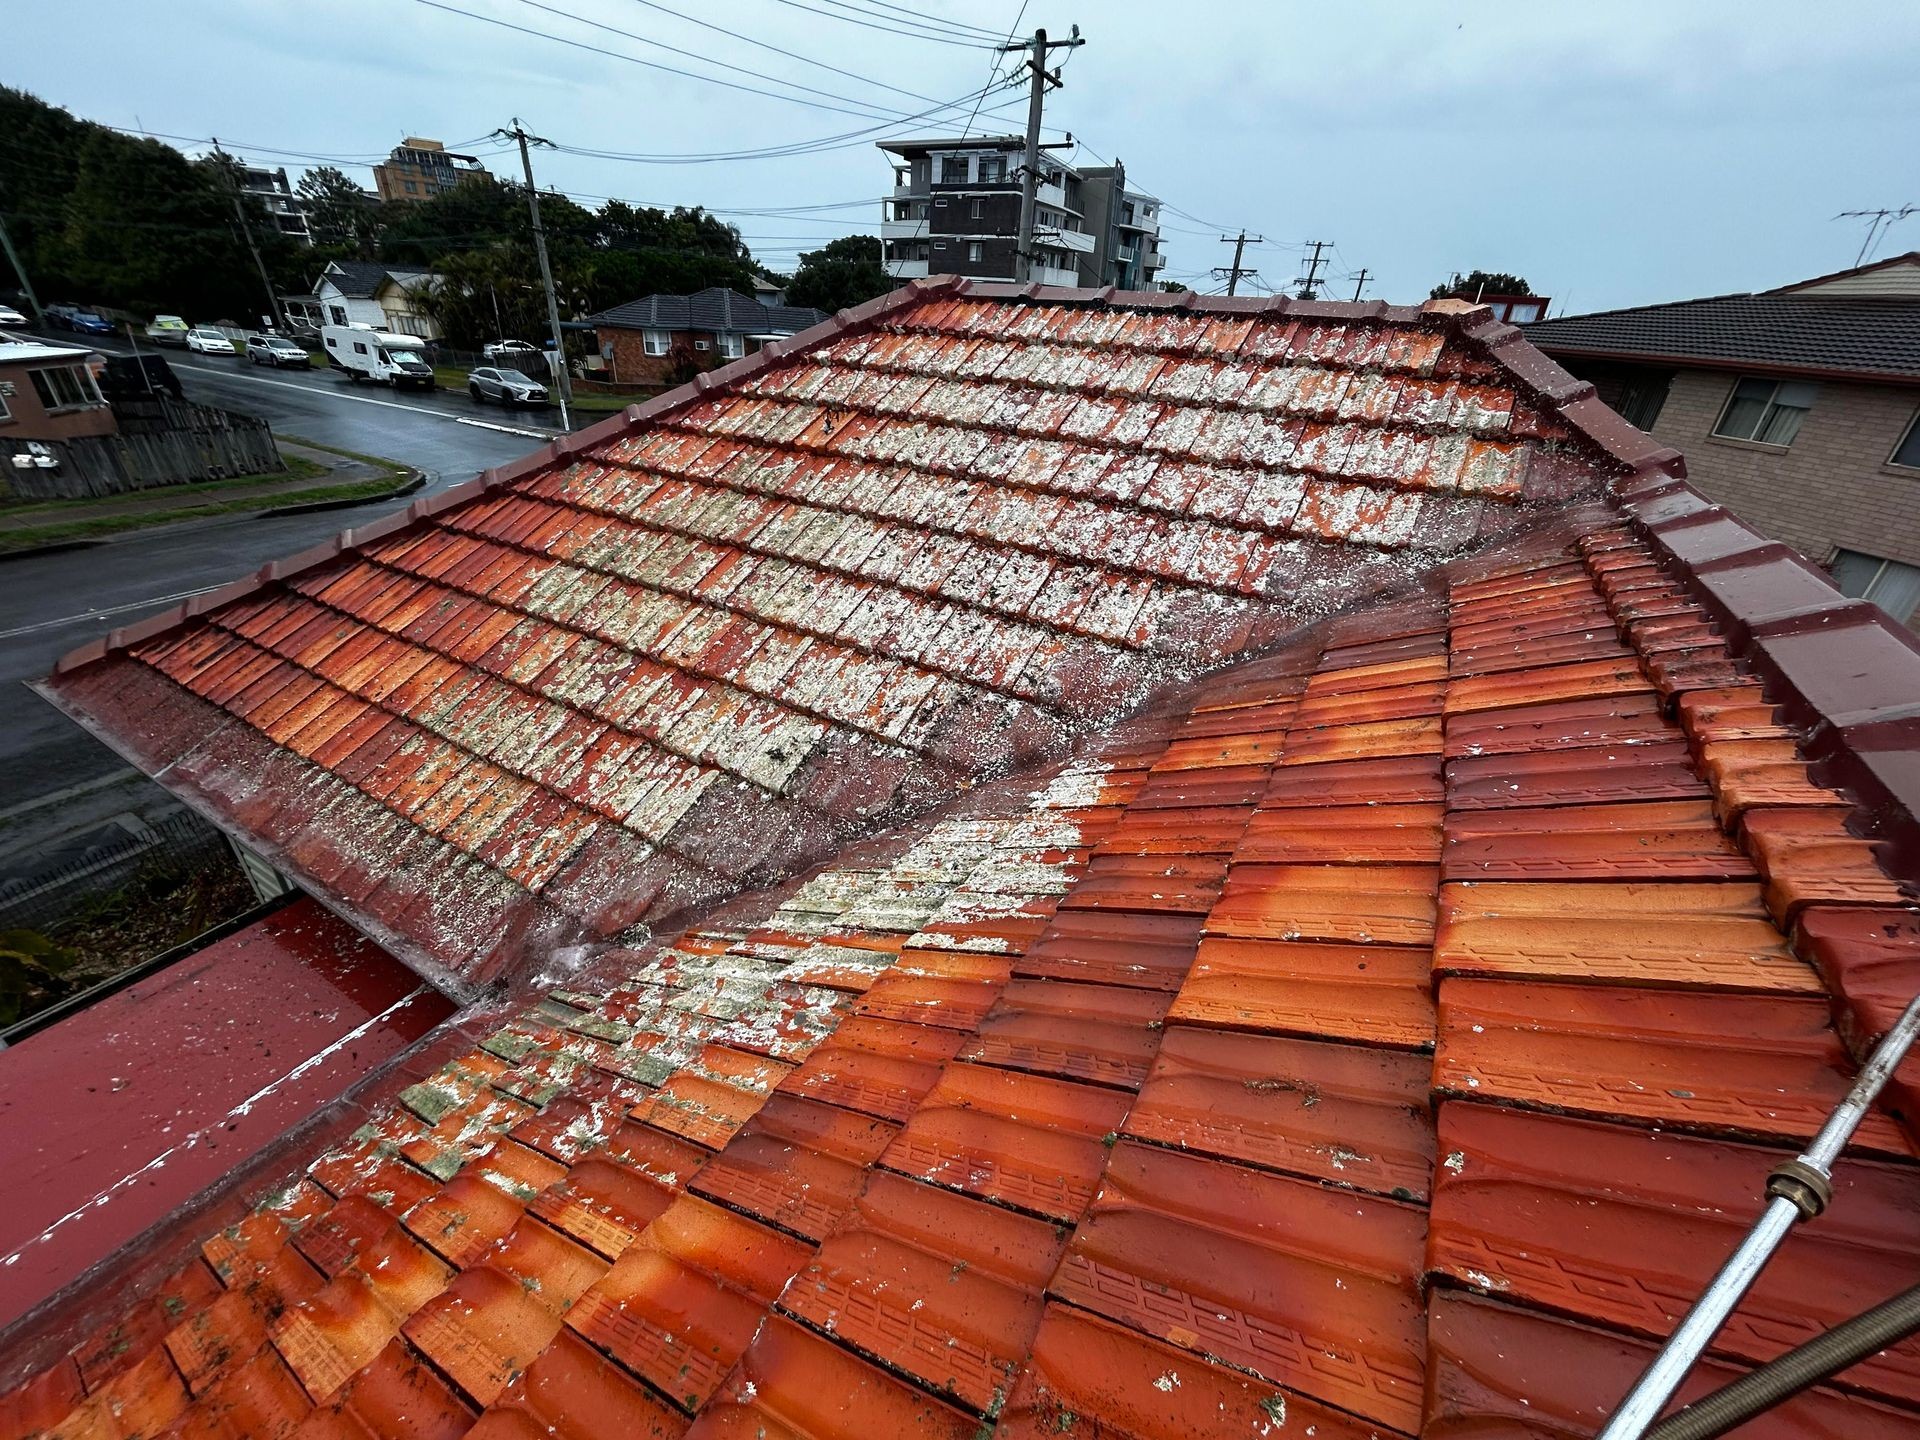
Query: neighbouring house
{"points": [[1039, 861], [955, 210], [768, 293], [49, 392], [365, 292], [646, 341], [420, 169], [1799, 407]]}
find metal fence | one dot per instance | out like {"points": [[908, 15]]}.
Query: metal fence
{"points": [[162, 441], [170, 848]]}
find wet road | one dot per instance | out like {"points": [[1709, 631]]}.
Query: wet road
{"points": [[58, 785]]}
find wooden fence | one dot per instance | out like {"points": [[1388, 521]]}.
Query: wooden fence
{"points": [[162, 441]]}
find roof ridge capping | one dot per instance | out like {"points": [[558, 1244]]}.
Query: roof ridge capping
{"points": [[1843, 672]]}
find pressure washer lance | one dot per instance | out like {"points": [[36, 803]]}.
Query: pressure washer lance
{"points": [[1797, 1190]]}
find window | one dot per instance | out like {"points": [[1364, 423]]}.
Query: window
{"points": [[411, 188], [733, 346], [1768, 412], [1894, 587], [993, 169], [654, 342], [1907, 452], [703, 345], [339, 314], [953, 170], [6, 415], [66, 387], [975, 252], [977, 209], [903, 210], [1643, 396]]}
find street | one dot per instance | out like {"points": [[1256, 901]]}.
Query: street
{"points": [[60, 789]]}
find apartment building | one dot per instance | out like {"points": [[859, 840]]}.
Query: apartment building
{"points": [[955, 210], [276, 194], [1799, 407], [419, 169]]}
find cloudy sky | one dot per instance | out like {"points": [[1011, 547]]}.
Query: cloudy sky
{"points": [[1615, 154]]}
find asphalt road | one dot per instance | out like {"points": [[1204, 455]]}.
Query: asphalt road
{"points": [[61, 791]]}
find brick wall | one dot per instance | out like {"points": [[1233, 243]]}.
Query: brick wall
{"points": [[631, 365], [1832, 488]]}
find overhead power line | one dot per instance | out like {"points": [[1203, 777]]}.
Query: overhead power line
{"points": [[958, 26], [853, 19]]}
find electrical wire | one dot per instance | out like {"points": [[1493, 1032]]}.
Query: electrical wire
{"points": [[877, 9], [602, 51], [778, 50], [993, 69], [887, 29]]}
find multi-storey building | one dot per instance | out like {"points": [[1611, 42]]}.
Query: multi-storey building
{"points": [[955, 210], [272, 189], [420, 169]]}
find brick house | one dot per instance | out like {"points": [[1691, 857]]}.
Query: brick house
{"points": [[48, 392], [1799, 407], [662, 339]]}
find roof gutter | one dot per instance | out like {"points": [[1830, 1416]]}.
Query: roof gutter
{"points": [[1721, 362]]}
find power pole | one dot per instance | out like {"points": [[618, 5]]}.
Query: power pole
{"points": [[1233, 272], [13, 258], [240, 214], [561, 388], [1360, 282], [1038, 49], [1310, 283]]}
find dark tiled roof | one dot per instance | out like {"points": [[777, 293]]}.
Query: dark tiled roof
{"points": [[706, 642], [1360, 1041], [1781, 332], [716, 310], [357, 279]]}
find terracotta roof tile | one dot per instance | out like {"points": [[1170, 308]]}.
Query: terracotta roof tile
{"points": [[1103, 1092]]}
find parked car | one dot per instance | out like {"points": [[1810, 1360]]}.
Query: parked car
{"points": [[167, 330], [133, 377], [508, 387], [88, 323], [58, 312], [11, 316], [369, 354], [510, 352], [205, 340], [277, 350]]}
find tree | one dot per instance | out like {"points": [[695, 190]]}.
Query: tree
{"points": [[1481, 282], [340, 215], [841, 273]]}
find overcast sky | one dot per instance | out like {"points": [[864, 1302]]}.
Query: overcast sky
{"points": [[1614, 154]]}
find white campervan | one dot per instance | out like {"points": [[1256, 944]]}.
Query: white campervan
{"points": [[369, 354]]}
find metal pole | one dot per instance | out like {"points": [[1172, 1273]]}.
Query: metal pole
{"points": [[1030, 173], [240, 214], [560, 385], [13, 258], [1798, 1190], [1239, 247]]}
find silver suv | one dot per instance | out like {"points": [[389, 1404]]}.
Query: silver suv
{"points": [[277, 350], [506, 387]]}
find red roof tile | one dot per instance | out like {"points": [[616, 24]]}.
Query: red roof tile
{"points": [[1105, 1092]]}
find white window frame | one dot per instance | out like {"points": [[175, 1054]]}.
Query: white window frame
{"points": [[976, 252], [733, 347], [83, 381], [1873, 589], [6, 414], [656, 342], [1911, 433], [1767, 410]]}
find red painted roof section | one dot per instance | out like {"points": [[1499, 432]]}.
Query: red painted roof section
{"points": [[701, 645], [129, 1109], [1311, 1050]]}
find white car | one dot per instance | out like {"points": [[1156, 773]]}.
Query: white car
{"points": [[208, 341], [11, 316]]}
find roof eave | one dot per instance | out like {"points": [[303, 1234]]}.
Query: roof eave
{"points": [[1681, 359]]}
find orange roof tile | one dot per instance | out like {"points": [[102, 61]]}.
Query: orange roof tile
{"points": [[1125, 1094]]}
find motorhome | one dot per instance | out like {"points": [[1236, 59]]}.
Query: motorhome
{"points": [[369, 354]]}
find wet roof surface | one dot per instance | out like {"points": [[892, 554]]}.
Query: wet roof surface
{"points": [[823, 589], [124, 1112], [1362, 1041]]}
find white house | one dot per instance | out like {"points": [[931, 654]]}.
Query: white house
{"points": [[363, 292]]}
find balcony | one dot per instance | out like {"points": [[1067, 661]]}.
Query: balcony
{"points": [[1077, 241], [1155, 260], [903, 230], [907, 269]]}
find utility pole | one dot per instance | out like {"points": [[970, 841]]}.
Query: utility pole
{"points": [[562, 389], [1310, 283], [1232, 273], [240, 214], [1038, 49], [1360, 282], [1875, 219], [13, 258]]}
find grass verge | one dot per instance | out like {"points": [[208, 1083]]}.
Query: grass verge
{"points": [[297, 469], [379, 462], [100, 526]]}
